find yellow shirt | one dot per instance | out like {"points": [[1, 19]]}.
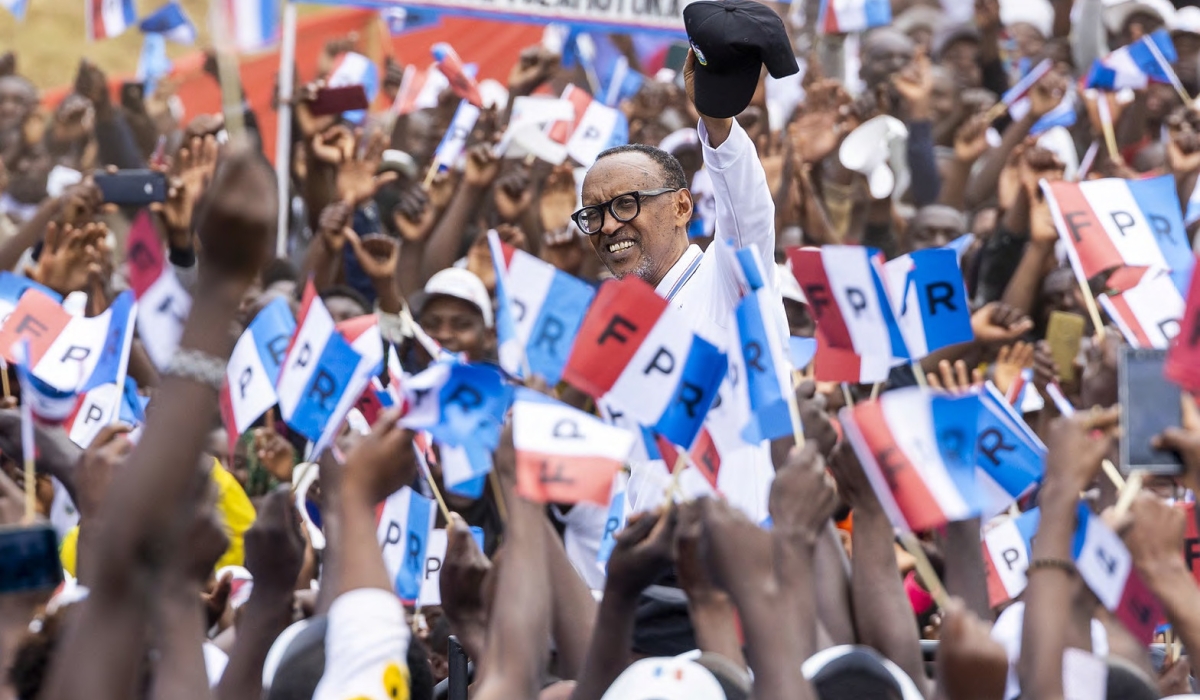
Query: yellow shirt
{"points": [[236, 511]]}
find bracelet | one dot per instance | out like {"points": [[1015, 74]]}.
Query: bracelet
{"points": [[1053, 563], [198, 367]]}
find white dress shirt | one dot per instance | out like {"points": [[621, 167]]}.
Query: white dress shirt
{"points": [[698, 285]]}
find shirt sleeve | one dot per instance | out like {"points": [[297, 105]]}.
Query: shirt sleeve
{"points": [[745, 209]]}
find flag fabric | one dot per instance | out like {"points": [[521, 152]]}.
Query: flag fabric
{"points": [[458, 403], [419, 89], [12, 286], [171, 21], [918, 450], [105, 19], [163, 303], [539, 311], [1021, 89], [801, 351], [400, 19], [1135, 65], [153, 62], [1183, 356], [702, 456], [403, 534], [454, 141], [615, 520], [256, 23], [594, 128], [1063, 114], [1146, 306], [930, 300], [845, 16], [48, 405], [316, 370], [253, 369], [1112, 223], [366, 340], [16, 8], [102, 405], [766, 365], [1009, 456], [636, 351], [68, 352], [465, 468], [1006, 548], [621, 83], [435, 555], [462, 80], [351, 68], [858, 336], [1100, 556], [563, 454]]}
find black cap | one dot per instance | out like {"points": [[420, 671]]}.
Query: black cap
{"points": [[732, 40]]}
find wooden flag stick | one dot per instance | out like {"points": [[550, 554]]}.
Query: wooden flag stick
{"points": [[919, 374], [875, 390], [437, 493], [847, 396], [1133, 486], [1110, 470], [680, 465]]}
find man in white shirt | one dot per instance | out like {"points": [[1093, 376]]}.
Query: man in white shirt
{"points": [[637, 208]]}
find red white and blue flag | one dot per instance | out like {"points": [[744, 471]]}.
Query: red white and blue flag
{"points": [[403, 528], [563, 454], [637, 352], [163, 303], [918, 450], [930, 300], [845, 16], [317, 370], [255, 23], [253, 368], [108, 18], [595, 127], [858, 336], [1136, 65], [539, 310]]}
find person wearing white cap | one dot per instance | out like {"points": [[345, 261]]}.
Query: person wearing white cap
{"points": [[1185, 34], [1132, 19], [457, 313]]}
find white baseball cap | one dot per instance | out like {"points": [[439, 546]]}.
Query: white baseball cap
{"points": [[1037, 13], [1117, 13], [665, 678], [461, 284], [1186, 21]]}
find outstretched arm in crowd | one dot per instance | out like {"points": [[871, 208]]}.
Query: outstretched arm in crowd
{"points": [[142, 520], [446, 242]]}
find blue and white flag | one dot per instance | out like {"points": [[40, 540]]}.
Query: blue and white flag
{"points": [[759, 317], [256, 23], [930, 300], [1136, 65], [253, 368], [459, 404], [405, 522], [615, 521], [172, 22], [454, 141], [95, 409], [1009, 457], [316, 372], [539, 310], [46, 404], [16, 7]]}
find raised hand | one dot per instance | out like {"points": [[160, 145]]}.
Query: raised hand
{"points": [[382, 462], [462, 577], [1010, 362], [514, 194], [96, 466], [557, 201], [332, 226], [239, 216], [190, 172], [1185, 440], [535, 66], [954, 378], [377, 254], [802, 496], [995, 322], [358, 176], [852, 483], [915, 85], [69, 255], [1075, 447], [970, 664], [275, 454], [274, 545], [482, 166], [825, 119], [970, 141], [642, 552]]}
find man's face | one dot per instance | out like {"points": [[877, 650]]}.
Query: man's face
{"points": [[456, 325], [885, 52], [28, 175], [935, 226], [962, 58], [649, 244], [16, 101]]}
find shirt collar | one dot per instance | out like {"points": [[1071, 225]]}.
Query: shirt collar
{"points": [[678, 270]]}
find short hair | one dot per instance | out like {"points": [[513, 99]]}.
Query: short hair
{"points": [[279, 270], [673, 175]]}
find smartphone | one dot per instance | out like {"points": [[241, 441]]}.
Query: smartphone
{"points": [[29, 559], [335, 100], [1149, 405], [1064, 333], [132, 187]]}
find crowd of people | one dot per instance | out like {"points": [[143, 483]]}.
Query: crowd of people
{"points": [[193, 570]]}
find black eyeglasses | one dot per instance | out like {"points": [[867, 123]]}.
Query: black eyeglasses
{"points": [[623, 207]]}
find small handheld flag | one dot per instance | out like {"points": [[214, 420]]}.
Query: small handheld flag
{"points": [[172, 22], [930, 300], [253, 369], [163, 303], [105, 19]]}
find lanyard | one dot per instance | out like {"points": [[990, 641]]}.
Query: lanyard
{"points": [[683, 279]]}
